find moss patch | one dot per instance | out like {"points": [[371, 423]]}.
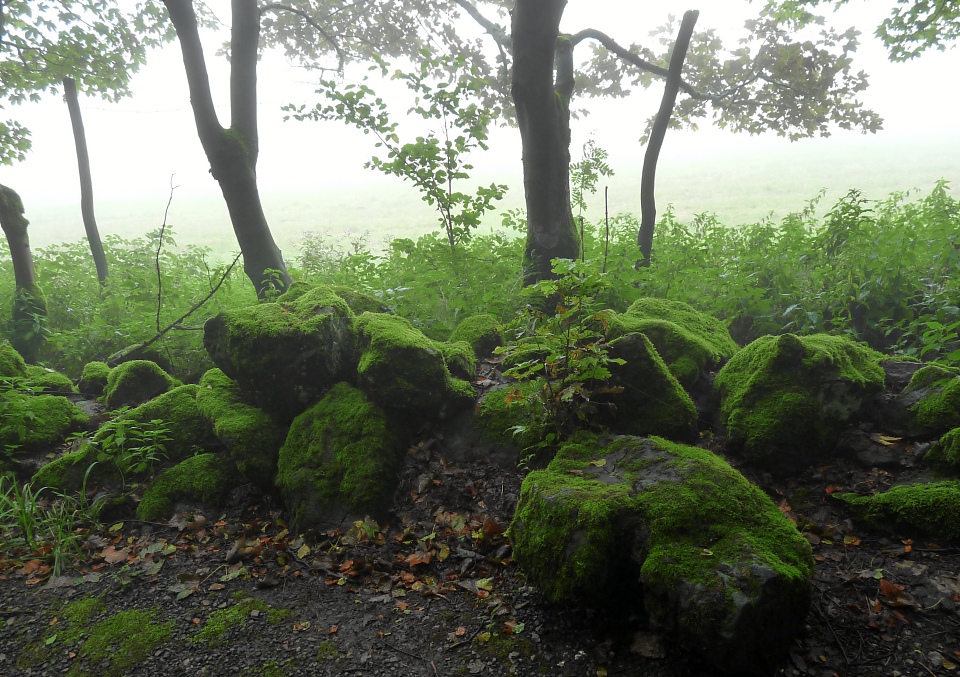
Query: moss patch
{"points": [[12, 364], [118, 643], [340, 457], [37, 421], [483, 332], [502, 410], [93, 380], [51, 381], [459, 358], [205, 478], [135, 382], [945, 454], [253, 438], [222, 621], [783, 398], [932, 509], [933, 395]]}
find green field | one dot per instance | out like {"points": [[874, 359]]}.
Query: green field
{"points": [[740, 186]]}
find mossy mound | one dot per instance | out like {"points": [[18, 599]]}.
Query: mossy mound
{"points": [[49, 380], [714, 558], [944, 456], [688, 341], [12, 364], [785, 398], [67, 473], [360, 302], [135, 382], [459, 358], [251, 436], [204, 479], [31, 422], [931, 509], [930, 404], [93, 380], [285, 356], [138, 351], [652, 401], [483, 332], [401, 369], [339, 461]]}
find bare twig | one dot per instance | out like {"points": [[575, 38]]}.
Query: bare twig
{"points": [[163, 229]]}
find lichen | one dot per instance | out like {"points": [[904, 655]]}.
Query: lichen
{"points": [[252, 437], [340, 456], [784, 398], [135, 382], [931, 509], [483, 332], [204, 478]]}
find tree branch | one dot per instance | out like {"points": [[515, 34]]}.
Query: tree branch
{"points": [[278, 7], [501, 37]]}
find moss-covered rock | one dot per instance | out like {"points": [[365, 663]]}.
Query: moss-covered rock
{"points": [[251, 436], [944, 456], [688, 341], [503, 409], [11, 362], [138, 351], [483, 332], [67, 473], [459, 358], [652, 401], [49, 380], [785, 398], [285, 356], [36, 421], [360, 302], [135, 382], [714, 558], [339, 461], [204, 479], [401, 369], [929, 405], [931, 509], [294, 291], [93, 380]]}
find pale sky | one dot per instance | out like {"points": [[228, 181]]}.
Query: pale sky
{"points": [[137, 144]]}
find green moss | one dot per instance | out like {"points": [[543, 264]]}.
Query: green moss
{"points": [[932, 509], [204, 479], [294, 291], [360, 302], [483, 332], [256, 346], [135, 382], [12, 364], [501, 410], [327, 650], [118, 643], [223, 620], [73, 618], [459, 358], [51, 381], [252, 437], [938, 410], [93, 380], [339, 456], [37, 421], [783, 398], [687, 340], [67, 472], [945, 454]]}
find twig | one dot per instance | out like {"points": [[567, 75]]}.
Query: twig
{"points": [[826, 619], [163, 229], [403, 651]]}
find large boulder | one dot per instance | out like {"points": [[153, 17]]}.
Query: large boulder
{"points": [[688, 341], [285, 356], [135, 382], [931, 509], [713, 559], [339, 461], [93, 380], [251, 436], [928, 405], [205, 479], [652, 401], [29, 422], [483, 332], [785, 398], [401, 369], [12, 364]]}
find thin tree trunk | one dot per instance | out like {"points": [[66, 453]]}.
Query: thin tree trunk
{"points": [[232, 152], [29, 306], [648, 205], [86, 179], [543, 116]]}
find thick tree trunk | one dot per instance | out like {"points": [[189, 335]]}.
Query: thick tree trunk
{"points": [[29, 306], [543, 116], [232, 152], [86, 180], [648, 205]]}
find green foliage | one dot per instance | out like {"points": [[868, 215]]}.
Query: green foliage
{"points": [[433, 163], [561, 339], [585, 173], [133, 447]]}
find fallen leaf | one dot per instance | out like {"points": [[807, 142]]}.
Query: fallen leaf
{"points": [[300, 626], [460, 631], [851, 540], [599, 463], [113, 556], [303, 551], [333, 630], [885, 440], [217, 586]]}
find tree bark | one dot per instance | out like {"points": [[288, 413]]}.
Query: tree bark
{"points": [[86, 179], [29, 306], [233, 152], [648, 205], [543, 115]]}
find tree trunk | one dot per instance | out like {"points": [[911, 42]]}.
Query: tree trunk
{"points": [[543, 115], [29, 306], [86, 180], [232, 152], [648, 205]]}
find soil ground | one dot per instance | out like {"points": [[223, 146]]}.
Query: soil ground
{"points": [[432, 589]]}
